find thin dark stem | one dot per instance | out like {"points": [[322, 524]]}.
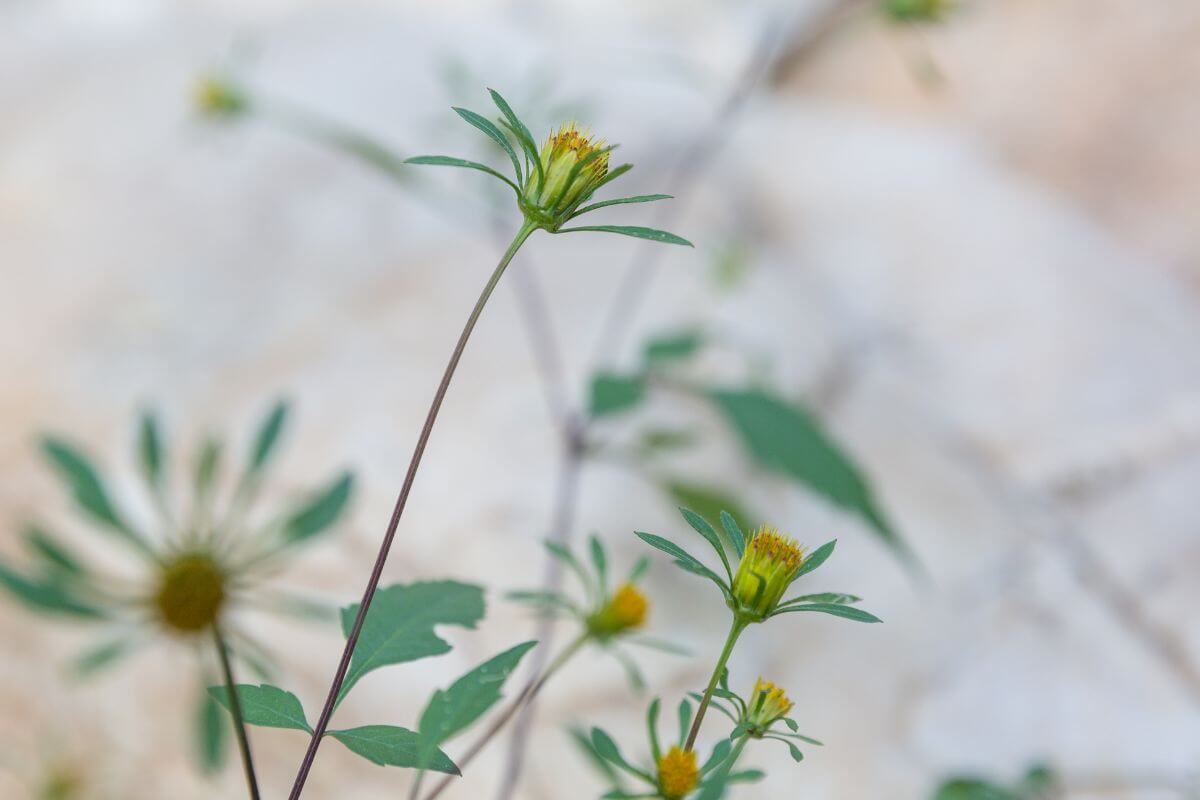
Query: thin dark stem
{"points": [[527, 696], [235, 710], [401, 500]]}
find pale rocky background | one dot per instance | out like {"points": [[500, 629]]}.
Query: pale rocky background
{"points": [[984, 232]]}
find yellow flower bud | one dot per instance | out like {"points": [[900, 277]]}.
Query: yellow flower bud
{"points": [[572, 166], [767, 568], [677, 773], [625, 610], [768, 704]]}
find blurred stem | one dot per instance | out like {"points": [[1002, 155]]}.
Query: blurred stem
{"points": [[235, 710], [526, 696], [735, 631], [385, 546]]}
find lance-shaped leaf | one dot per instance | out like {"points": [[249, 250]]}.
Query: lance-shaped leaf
{"points": [[607, 749], [449, 161], [54, 555], [818, 557], [837, 610], [44, 595], [825, 597], [88, 490], [211, 733], [524, 137], [399, 625], [150, 450], [267, 438], [785, 438], [266, 706], [711, 503], [495, 134], [620, 201], [452, 710], [321, 511], [653, 234], [392, 746], [683, 559]]}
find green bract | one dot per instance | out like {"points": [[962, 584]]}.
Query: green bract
{"points": [[760, 716], [764, 574], [552, 183]]}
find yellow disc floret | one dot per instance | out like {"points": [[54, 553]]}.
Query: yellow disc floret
{"points": [[769, 564], [625, 610], [190, 593], [677, 773], [768, 703], [572, 165]]}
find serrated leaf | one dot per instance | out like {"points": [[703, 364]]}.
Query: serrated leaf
{"points": [[211, 733], [653, 234], [449, 161], [399, 626], [267, 438], [392, 746], [265, 705], [452, 710], [320, 511], [612, 393], [495, 134], [41, 595], [88, 490], [848, 612], [785, 438]]}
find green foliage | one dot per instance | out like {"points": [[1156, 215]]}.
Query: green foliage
{"points": [[150, 450], [783, 438], [88, 490], [266, 706], [211, 734], [267, 438], [673, 346], [612, 394], [47, 595], [452, 710], [57, 560], [392, 746], [635, 231], [399, 625], [320, 511], [1039, 783]]}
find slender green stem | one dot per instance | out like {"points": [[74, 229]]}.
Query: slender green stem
{"points": [[385, 546], [734, 632], [235, 710], [526, 696]]}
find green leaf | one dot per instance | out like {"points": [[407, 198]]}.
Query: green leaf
{"points": [[493, 133], [584, 742], [547, 601], [56, 557], [46, 596], [734, 532], [88, 490], [448, 161], [399, 625], [683, 559], [564, 554], [701, 526], [720, 752], [652, 234], [818, 557], [211, 734], [95, 659], [266, 706], [652, 729], [612, 393], [451, 711], [607, 749], [391, 746], [709, 503], [786, 439], [826, 597], [849, 612], [204, 474], [972, 789], [673, 346], [320, 512], [685, 720], [641, 198], [268, 436], [599, 561], [528, 144], [150, 450]]}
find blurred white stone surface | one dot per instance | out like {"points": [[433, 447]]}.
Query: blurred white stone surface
{"points": [[149, 258]]}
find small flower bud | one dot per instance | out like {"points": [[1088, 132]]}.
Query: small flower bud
{"points": [[572, 167], [768, 704], [625, 610], [767, 568]]}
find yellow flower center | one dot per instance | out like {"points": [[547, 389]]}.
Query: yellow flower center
{"points": [[190, 593], [573, 164], [769, 564], [677, 773], [768, 703], [626, 609]]}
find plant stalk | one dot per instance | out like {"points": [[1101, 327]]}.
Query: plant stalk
{"points": [[235, 710], [402, 499], [526, 696], [735, 631]]}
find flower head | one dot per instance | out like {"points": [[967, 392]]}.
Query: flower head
{"points": [[191, 592], [768, 704], [553, 182], [678, 773], [624, 611], [219, 97], [768, 566]]}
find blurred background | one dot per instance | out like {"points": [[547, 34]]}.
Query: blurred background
{"points": [[968, 245]]}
